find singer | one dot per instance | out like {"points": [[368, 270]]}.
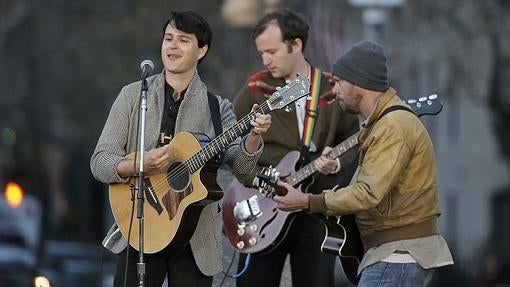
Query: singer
{"points": [[177, 101]]}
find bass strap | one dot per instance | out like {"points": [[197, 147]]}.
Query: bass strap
{"points": [[396, 108]]}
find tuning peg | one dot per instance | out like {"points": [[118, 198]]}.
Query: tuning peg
{"points": [[308, 98], [288, 109], [278, 88], [433, 97], [287, 81]]}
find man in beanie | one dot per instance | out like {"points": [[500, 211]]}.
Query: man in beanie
{"points": [[394, 193]]}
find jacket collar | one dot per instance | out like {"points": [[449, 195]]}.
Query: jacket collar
{"points": [[387, 99], [195, 87]]}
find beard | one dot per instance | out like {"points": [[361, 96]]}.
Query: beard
{"points": [[347, 108]]}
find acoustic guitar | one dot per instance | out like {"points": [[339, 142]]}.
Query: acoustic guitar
{"points": [[174, 199]]}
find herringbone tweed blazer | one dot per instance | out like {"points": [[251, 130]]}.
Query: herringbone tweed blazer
{"points": [[118, 139]]}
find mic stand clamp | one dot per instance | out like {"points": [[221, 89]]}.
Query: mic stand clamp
{"points": [[140, 194]]}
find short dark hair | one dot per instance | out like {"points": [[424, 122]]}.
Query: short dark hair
{"points": [[292, 24], [192, 23]]}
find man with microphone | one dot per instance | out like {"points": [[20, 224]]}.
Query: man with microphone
{"points": [[177, 101]]}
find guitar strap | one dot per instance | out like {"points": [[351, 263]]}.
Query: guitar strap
{"points": [[396, 108], [385, 112], [311, 107], [166, 133], [214, 106], [310, 116]]}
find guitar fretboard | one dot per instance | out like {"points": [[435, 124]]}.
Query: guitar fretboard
{"points": [[222, 141], [309, 169]]}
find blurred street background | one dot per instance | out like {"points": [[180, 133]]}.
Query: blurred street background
{"points": [[64, 62]]}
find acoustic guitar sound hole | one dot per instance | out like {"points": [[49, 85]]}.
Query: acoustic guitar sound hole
{"points": [[178, 176]]}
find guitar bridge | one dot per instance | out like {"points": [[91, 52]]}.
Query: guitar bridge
{"points": [[150, 196], [247, 210]]}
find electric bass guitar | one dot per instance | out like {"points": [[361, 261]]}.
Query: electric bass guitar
{"points": [[174, 200], [254, 224]]}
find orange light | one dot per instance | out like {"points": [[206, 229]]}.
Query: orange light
{"points": [[13, 194]]}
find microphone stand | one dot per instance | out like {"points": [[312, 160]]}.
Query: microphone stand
{"points": [[140, 197]]}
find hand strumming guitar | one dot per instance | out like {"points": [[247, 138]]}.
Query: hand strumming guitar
{"points": [[155, 161], [294, 199]]}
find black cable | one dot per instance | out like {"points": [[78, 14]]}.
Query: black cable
{"points": [[228, 269], [246, 263], [129, 237]]}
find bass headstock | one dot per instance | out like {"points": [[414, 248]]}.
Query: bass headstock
{"points": [[430, 105]]}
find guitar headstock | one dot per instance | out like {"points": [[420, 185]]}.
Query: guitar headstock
{"points": [[291, 92], [430, 105], [268, 182]]}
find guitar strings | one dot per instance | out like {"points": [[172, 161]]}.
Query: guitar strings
{"points": [[298, 176], [338, 150], [189, 164], [184, 167]]}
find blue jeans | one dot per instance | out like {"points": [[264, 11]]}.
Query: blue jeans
{"points": [[385, 274]]}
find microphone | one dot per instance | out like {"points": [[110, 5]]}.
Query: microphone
{"points": [[146, 66]]}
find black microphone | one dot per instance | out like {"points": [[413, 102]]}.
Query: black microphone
{"points": [[146, 66]]}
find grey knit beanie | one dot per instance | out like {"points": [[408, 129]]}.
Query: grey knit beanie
{"points": [[364, 65]]}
